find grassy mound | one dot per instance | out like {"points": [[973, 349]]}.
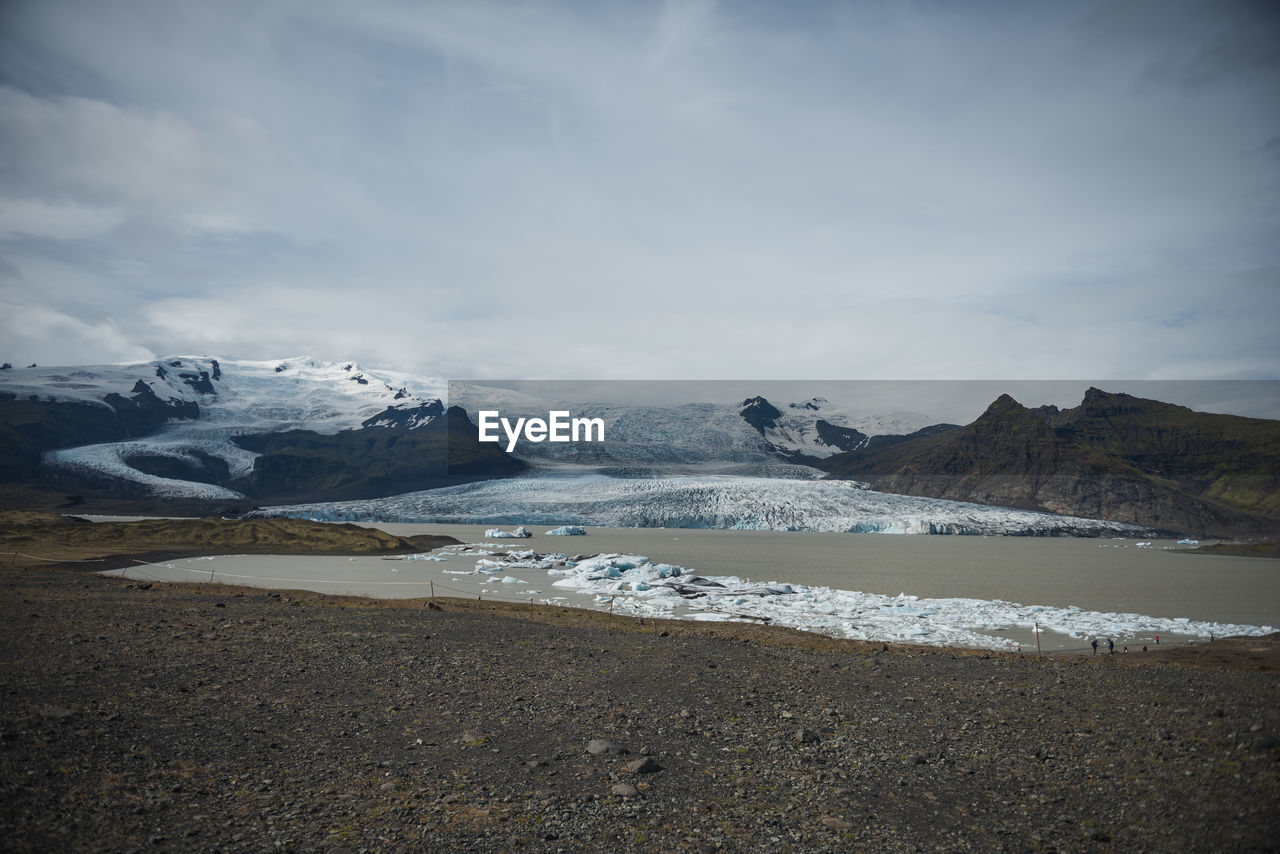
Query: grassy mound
{"points": [[33, 538]]}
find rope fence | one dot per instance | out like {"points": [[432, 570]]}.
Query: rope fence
{"points": [[15, 555], [430, 584]]}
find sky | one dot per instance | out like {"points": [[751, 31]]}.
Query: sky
{"points": [[616, 190]]}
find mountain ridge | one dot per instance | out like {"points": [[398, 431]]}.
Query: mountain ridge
{"points": [[184, 426], [1114, 457]]}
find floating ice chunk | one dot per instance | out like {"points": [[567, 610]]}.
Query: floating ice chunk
{"points": [[498, 533], [419, 556], [1188, 542], [567, 531], [511, 580]]}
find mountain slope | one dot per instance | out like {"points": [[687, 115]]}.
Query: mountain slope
{"points": [[209, 429], [1113, 457], [371, 462]]}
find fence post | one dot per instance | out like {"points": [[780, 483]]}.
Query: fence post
{"points": [[1037, 641]]}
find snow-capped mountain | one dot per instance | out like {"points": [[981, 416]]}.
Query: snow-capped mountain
{"points": [[177, 426], [250, 396], [194, 427], [302, 430], [748, 437]]}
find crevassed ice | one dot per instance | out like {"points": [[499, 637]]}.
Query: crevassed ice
{"points": [[746, 503]]}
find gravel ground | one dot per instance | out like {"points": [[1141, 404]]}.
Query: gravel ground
{"points": [[151, 718]]}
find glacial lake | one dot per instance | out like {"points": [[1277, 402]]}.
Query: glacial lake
{"points": [[1102, 575]]}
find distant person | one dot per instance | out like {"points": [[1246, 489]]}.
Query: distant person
{"points": [[1111, 646], [1095, 646], [1126, 649], [1157, 640], [1144, 647]]}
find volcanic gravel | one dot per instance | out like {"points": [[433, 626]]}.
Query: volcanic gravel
{"points": [[156, 718]]}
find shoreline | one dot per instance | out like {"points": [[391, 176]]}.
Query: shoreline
{"points": [[1255, 651], [125, 545]]}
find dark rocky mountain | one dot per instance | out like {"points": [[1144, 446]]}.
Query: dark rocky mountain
{"points": [[806, 441], [31, 425], [299, 465], [1113, 457], [760, 414]]}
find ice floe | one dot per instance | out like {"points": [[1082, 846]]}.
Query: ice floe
{"points": [[632, 584]]}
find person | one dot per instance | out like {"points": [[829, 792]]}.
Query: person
{"points": [[1126, 649], [1095, 646], [1111, 646]]}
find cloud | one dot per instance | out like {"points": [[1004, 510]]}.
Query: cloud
{"points": [[564, 189], [54, 220], [47, 337]]}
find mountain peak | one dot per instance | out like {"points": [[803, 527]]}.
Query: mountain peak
{"points": [[1002, 406], [760, 413]]}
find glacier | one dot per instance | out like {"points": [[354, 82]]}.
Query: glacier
{"points": [[300, 393], [716, 501]]}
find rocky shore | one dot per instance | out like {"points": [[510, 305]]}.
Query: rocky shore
{"points": [[150, 717]]}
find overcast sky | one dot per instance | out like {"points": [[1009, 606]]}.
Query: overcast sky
{"points": [[640, 190]]}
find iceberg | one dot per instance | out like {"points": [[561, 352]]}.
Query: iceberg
{"points": [[498, 533], [567, 531]]}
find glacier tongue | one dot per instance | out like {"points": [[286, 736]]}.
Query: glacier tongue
{"points": [[744, 503]]}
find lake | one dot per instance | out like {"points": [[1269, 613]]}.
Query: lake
{"points": [[1100, 575]]}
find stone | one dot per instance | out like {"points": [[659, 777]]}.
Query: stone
{"points": [[836, 823], [601, 746], [625, 790], [807, 736], [643, 766]]}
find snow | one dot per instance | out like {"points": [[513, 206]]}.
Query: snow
{"points": [[251, 397], [741, 503]]}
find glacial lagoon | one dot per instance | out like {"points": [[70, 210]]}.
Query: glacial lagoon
{"points": [[960, 580]]}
